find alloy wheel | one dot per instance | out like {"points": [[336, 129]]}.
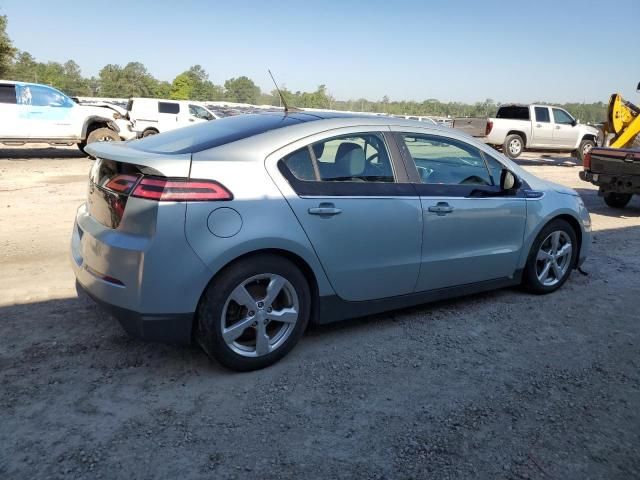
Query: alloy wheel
{"points": [[259, 315], [515, 147], [554, 258]]}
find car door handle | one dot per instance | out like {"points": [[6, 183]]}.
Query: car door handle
{"points": [[538, 125], [442, 208], [325, 209], [557, 127]]}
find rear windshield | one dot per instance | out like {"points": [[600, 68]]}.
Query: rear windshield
{"points": [[212, 134], [513, 113]]}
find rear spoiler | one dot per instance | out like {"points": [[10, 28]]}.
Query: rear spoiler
{"points": [[165, 164]]}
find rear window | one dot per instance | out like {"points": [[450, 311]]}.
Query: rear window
{"points": [[204, 136], [168, 107], [513, 113], [7, 94]]}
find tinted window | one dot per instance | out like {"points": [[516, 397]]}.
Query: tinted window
{"points": [[168, 107], [560, 116], [513, 113], [300, 164], [446, 161], [7, 94], [203, 136], [542, 115]]}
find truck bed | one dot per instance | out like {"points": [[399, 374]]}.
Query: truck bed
{"points": [[474, 126]]}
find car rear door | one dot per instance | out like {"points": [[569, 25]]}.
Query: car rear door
{"points": [[471, 232], [363, 219], [12, 115], [542, 131], [168, 116]]}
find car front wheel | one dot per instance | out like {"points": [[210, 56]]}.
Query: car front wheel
{"points": [[513, 146], [254, 312], [552, 257]]}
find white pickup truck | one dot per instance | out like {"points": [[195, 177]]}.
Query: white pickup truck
{"points": [[534, 127], [34, 113]]}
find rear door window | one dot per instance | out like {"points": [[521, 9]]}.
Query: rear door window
{"points": [[513, 112], [542, 115], [168, 107], [351, 158], [7, 94]]}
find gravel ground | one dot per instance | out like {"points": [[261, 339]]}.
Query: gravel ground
{"points": [[497, 385]]}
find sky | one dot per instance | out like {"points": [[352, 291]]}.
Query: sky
{"points": [[467, 50]]}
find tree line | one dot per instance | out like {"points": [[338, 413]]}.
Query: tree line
{"points": [[134, 80]]}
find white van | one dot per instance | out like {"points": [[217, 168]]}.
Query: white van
{"points": [[151, 115]]}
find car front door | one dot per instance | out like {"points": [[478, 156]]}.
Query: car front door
{"points": [[49, 112], [542, 131], [565, 130], [360, 214], [471, 231]]}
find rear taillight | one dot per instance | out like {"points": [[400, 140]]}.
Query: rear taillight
{"points": [[122, 183], [488, 128], [586, 161], [180, 190]]}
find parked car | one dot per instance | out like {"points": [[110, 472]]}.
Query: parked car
{"points": [[151, 115], [239, 232], [121, 119], [616, 172], [35, 113], [534, 127]]}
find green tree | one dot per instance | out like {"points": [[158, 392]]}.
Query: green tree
{"points": [[131, 81], [242, 90], [6, 48], [182, 87]]}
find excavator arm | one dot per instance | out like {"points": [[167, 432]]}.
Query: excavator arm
{"points": [[623, 121]]}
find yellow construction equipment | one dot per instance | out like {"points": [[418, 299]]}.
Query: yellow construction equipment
{"points": [[623, 122]]}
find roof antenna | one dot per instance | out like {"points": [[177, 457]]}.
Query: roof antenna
{"points": [[282, 99]]}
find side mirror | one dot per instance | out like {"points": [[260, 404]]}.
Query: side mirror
{"points": [[575, 122], [508, 181]]}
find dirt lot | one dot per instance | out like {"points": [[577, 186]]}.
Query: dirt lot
{"points": [[498, 385]]}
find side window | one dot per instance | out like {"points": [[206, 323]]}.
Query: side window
{"points": [[300, 164], [41, 96], [7, 94], [354, 158], [199, 112], [542, 115], [562, 117], [446, 161], [168, 107]]}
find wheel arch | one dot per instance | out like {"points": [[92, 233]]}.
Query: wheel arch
{"points": [[294, 258], [519, 133], [94, 122]]}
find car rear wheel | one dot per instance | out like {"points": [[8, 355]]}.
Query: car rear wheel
{"points": [[617, 200], [513, 146], [254, 312], [149, 132], [552, 257]]}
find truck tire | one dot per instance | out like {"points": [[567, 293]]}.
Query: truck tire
{"points": [[617, 200], [102, 135], [584, 148], [513, 146]]}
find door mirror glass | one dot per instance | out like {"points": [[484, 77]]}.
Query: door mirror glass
{"points": [[508, 181]]}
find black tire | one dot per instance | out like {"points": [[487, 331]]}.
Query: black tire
{"points": [[102, 135], [513, 146], [530, 278], [585, 146], [81, 146], [149, 132], [209, 317], [617, 200]]}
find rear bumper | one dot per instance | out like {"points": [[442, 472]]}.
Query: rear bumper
{"points": [[612, 183], [169, 328]]}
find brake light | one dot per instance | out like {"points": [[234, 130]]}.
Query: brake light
{"points": [[586, 161], [488, 128], [122, 183], [180, 190]]}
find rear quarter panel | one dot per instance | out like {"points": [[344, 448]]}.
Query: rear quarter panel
{"points": [[267, 220]]}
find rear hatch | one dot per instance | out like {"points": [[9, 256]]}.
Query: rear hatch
{"points": [[120, 172], [613, 161]]}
